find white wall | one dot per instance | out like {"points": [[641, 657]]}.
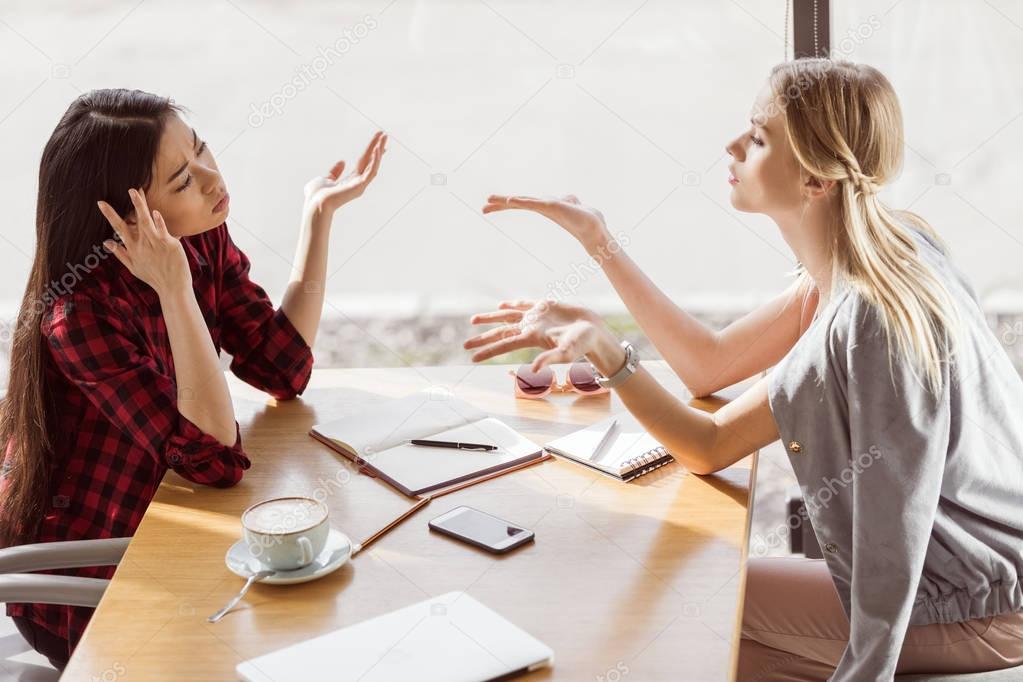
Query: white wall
{"points": [[627, 104]]}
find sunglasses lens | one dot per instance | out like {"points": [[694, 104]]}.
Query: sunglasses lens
{"points": [[534, 383], [582, 376]]}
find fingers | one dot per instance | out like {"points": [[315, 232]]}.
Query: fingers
{"points": [[161, 226], [138, 200], [502, 347], [114, 219], [121, 228], [368, 154], [499, 202], [120, 253], [551, 357], [372, 145], [496, 316], [150, 223], [368, 167], [374, 164], [336, 170], [143, 219], [491, 336], [517, 304], [371, 169], [514, 200], [562, 346]]}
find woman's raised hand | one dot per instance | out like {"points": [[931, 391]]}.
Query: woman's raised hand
{"points": [[327, 193], [146, 248], [566, 332], [582, 222]]}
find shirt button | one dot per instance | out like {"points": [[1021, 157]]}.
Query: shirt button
{"points": [[831, 547], [794, 446]]}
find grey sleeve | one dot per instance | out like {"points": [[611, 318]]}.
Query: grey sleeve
{"points": [[895, 497]]}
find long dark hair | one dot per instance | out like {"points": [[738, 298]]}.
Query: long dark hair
{"points": [[105, 143]]}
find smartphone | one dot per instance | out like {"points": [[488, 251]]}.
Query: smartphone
{"points": [[481, 529]]}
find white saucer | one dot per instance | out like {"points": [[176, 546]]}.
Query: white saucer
{"points": [[335, 553]]}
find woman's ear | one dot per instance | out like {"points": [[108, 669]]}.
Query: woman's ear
{"points": [[814, 187]]}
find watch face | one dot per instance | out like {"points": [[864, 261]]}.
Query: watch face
{"points": [[630, 356], [627, 370]]}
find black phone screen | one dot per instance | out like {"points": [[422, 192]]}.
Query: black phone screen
{"points": [[481, 527]]}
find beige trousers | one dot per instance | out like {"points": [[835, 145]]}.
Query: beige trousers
{"points": [[794, 629]]}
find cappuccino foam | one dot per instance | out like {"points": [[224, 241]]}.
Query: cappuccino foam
{"points": [[285, 515]]}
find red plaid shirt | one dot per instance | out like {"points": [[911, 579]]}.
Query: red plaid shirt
{"points": [[116, 426]]}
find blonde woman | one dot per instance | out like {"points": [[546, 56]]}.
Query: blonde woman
{"points": [[899, 410]]}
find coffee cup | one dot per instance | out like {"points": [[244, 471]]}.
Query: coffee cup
{"points": [[286, 533]]}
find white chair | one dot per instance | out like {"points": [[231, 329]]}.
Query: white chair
{"points": [[18, 584]]}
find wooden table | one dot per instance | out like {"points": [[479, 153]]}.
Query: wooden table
{"points": [[639, 581]]}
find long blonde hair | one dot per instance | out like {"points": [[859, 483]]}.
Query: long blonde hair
{"points": [[844, 123]]}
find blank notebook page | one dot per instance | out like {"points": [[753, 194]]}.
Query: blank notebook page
{"points": [[629, 440], [418, 466], [379, 426]]}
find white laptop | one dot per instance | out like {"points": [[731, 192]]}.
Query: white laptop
{"points": [[450, 638]]}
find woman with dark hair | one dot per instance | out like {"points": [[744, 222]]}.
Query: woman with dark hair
{"points": [[115, 373]]}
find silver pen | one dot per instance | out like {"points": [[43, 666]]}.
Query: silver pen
{"points": [[604, 440]]}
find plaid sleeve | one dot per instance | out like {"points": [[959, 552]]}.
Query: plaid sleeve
{"points": [[100, 352], [267, 351]]}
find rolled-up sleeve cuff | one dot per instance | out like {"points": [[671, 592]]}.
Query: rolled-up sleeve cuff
{"points": [[201, 458], [286, 351]]}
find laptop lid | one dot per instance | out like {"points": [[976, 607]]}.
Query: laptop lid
{"points": [[450, 638]]}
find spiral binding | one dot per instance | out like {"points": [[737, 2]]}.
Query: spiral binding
{"points": [[642, 462]]}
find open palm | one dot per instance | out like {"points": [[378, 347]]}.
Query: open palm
{"points": [[330, 192], [565, 332], [582, 222]]}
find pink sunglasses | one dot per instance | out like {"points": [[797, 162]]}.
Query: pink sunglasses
{"points": [[582, 378]]}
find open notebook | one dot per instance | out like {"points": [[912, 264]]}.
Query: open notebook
{"points": [[627, 452], [376, 438]]}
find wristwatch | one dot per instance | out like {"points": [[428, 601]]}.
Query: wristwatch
{"points": [[631, 365]]}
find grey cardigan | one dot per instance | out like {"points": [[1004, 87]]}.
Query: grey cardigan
{"points": [[915, 500]]}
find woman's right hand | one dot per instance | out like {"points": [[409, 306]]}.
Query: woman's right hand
{"points": [[566, 332], [582, 222], [147, 249]]}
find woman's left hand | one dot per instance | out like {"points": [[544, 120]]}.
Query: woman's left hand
{"points": [[566, 332], [326, 194]]}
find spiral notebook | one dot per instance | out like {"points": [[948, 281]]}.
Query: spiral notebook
{"points": [[626, 452]]}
